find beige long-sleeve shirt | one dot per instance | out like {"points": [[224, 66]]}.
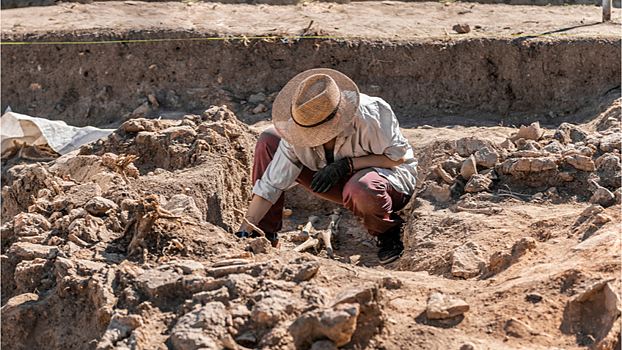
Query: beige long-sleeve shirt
{"points": [[374, 130]]}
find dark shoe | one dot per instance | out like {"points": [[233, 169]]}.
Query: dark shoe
{"points": [[390, 245], [274, 239]]}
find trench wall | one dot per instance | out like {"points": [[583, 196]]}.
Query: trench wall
{"points": [[96, 84]]}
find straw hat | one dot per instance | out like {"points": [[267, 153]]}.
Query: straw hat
{"points": [[314, 107]]}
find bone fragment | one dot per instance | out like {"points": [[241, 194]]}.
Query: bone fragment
{"points": [[245, 255], [226, 270], [312, 220], [332, 230], [230, 262], [311, 242], [479, 210], [249, 224], [287, 212], [442, 173]]}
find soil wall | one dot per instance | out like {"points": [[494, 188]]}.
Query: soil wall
{"points": [[511, 79]]}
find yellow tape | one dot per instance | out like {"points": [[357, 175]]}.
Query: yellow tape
{"points": [[284, 38]]}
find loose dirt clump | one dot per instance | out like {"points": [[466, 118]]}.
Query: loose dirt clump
{"points": [[513, 240]]}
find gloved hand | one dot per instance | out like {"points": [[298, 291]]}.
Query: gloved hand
{"points": [[328, 176]]}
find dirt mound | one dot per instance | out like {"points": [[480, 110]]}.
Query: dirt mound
{"points": [[127, 244]]}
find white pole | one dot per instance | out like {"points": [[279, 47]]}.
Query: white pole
{"points": [[606, 10]]}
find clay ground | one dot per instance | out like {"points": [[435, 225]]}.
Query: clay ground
{"points": [[535, 260], [374, 18]]}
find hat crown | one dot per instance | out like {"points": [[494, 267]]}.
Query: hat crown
{"points": [[316, 100]]}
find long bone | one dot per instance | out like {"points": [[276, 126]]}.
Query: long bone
{"points": [[311, 242], [332, 230]]}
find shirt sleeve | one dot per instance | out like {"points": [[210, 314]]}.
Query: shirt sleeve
{"points": [[384, 135], [280, 174]]}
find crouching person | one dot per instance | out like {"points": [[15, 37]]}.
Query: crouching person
{"points": [[342, 146]]}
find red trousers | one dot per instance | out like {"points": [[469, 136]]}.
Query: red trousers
{"points": [[366, 194]]}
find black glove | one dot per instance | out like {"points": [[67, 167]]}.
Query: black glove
{"points": [[328, 176]]}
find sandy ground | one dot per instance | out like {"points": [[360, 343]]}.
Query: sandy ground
{"points": [[386, 18]]}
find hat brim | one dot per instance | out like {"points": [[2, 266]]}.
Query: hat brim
{"points": [[300, 136]]}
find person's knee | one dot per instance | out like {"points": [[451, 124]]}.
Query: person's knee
{"points": [[268, 140], [360, 194]]}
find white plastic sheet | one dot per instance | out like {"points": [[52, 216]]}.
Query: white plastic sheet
{"points": [[61, 137]]}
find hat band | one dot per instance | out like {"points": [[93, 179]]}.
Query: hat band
{"points": [[329, 117]]}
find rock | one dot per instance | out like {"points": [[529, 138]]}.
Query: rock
{"points": [[603, 197], [180, 134], [531, 132], [337, 324], [522, 245], [28, 273], [502, 259], [618, 194], [610, 142], [442, 306], [268, 311], [461, 28], [469, 145], [554, 147], [140, 112], [221, 295], [478, 183], [241, 285], [193, 284], [99, 206], [30, 224], [486, 157], [468, 168], [364, 294], [453, 164], [518, 329], [580, 150], [592, 209], [198, 329], [609, 170], [16, 301], [87, 230], [156, 283], [593, 312], [324, 345], [30, 251], [186, 266], [527, 165], [259, 109], [306, 271], [530, 154], [567, 133], [79, 195], [183, 205], [391, 282], [119, 328], [597, 240], [601, 218], [258, 97], [467, 261], [527, 145], [507, 145], [260, 245], [534, 297], [468, 346], [499, 261], [440, 193]]}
